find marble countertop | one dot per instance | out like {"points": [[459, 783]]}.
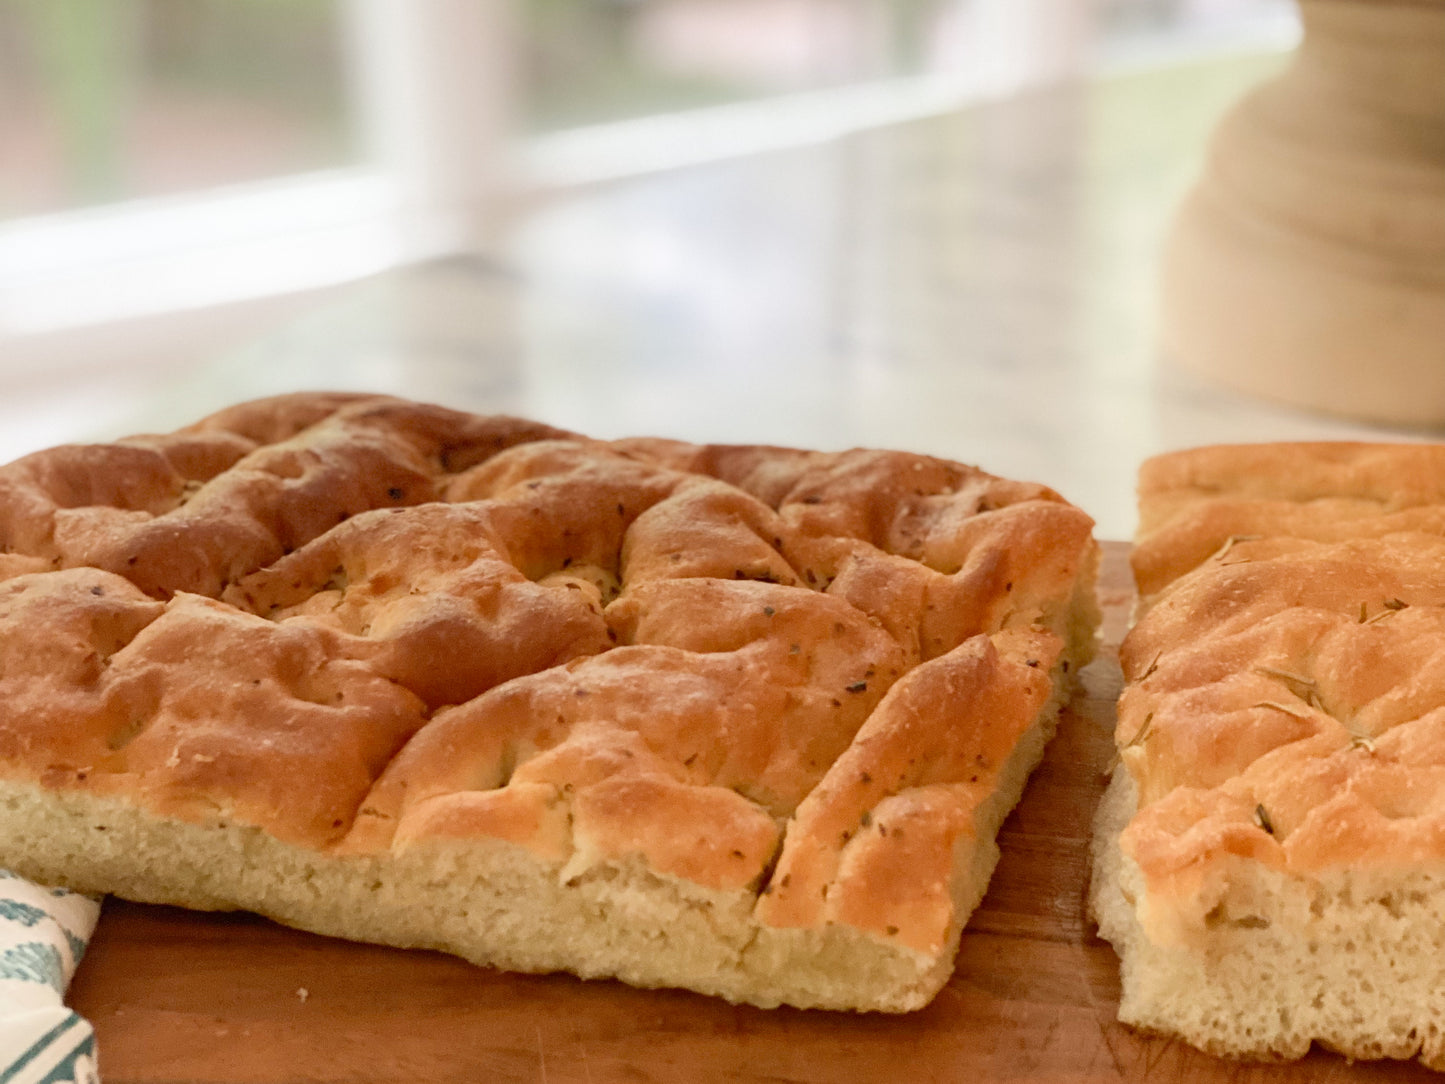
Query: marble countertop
{"points": [[978, 285]]}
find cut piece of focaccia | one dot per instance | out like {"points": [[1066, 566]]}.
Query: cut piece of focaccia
{"points": [[738, 719], [1270, 858]]}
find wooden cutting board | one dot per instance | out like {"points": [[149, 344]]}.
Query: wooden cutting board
{"points": [[228, 999]]}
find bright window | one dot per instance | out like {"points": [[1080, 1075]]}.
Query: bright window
{"points": [[113, 100], [160, 155]]}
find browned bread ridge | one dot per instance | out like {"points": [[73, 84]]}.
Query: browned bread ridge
{"points": [[738, 719], [1270, 860]]}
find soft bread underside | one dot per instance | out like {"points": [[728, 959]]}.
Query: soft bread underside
{"points": [[1356, 965]]}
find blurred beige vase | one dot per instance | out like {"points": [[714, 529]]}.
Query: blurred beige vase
{"points": [[1308, 263]]}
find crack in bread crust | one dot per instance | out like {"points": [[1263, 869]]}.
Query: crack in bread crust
{"points": [[322, 656]]}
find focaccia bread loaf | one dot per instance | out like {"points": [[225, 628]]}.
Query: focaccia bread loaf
{"points": [[743, 720], [1270, 857]]}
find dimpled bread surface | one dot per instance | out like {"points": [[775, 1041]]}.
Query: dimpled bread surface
{"points": [[743, 720], [1270, 858]]}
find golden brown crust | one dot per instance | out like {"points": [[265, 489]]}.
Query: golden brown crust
{"points": [[365, 625], [872, 844], [1285, 691], [1191, 503]]}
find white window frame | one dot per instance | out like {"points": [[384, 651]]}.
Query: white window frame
{"points": [[427, 78]]}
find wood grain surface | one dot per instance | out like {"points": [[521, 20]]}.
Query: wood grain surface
{"points": [[233, 999]]}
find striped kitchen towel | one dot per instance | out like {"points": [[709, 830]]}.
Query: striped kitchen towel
{"points": [[43, 934]]}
